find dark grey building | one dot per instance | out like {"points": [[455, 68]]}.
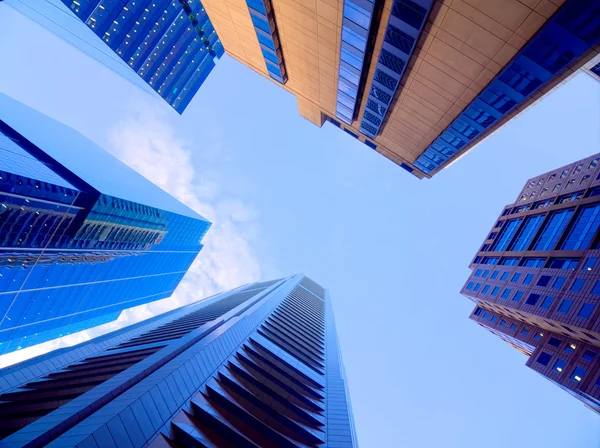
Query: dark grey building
{"points": [[256, 366], [536, 277]]}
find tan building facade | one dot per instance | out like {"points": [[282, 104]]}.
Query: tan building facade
{"points": [[419, 81]]}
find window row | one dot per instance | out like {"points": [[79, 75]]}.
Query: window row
{"points": [[559, 364], [536, 182], [521, 234]]}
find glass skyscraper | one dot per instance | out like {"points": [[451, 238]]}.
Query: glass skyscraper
{"points": [[166, 47], [259, 366], [82, 236]]}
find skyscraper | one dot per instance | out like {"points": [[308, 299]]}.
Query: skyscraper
{"points": [[82, 236], [536, 278], [162, 46], [256, 366], [419, 81]]}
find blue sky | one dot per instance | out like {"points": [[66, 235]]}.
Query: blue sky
{"points": [[289, 197]]}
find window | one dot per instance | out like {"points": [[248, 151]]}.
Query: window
{"points": [[577, 374], [494, 275], [486, 315], [503, 323], [553, 229], [528, 279], [577, 285], [589, 264], [515, 278], [544, 358], [583, 230], [506, 293], [513, 327], [478, 272], [504, 276], [589, 355], [495, 291], [584, 178], [517, 296], [565, 306], [485, 273], [564, 173], [478, 311], [494, 318], [544, 280], [532, 299], [538, 336], [533, 262], [524, 331], [559, 282], [470, 286], [570, 348], [567, 264], [559, 365], [542, 204], [571, 196], [509, 261], [477, 286], [556, 187], [591, 336], [547, 302], [499, 224], [586, 310], [578, 168], [506, 234], [593, 192], [594, 163], [554, 342], [485, 289], [526, 233]]}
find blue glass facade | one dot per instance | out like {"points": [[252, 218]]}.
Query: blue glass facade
{"points": [[171, 45], [73, 251], [257, 366], [567, 35]]}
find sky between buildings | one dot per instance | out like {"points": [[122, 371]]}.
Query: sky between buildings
{"points": [[287, 197]]}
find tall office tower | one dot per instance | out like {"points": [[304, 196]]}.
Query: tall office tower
{"points": [[419, 81], [536, 279], [259, 366], [163, 46], [82, 236]]}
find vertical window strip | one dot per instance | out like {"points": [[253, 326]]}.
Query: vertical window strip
{"points": [[553, 230], [584, 228], [506, 235], [404, 27], [527, 232], [265, 27], [356, 26]]}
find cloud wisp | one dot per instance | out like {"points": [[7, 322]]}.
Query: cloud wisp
{"points": [[150, 145]]}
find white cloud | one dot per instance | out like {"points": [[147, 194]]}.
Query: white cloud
{"points": [[148, 144]]}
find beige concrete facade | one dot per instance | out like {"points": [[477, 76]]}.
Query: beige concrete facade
{"points": [[462, 47]]}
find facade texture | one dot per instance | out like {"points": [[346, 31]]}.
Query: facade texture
{"points": [[259, 366], [419, 81], [82, 236], [165, 46], [536, 279]]}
